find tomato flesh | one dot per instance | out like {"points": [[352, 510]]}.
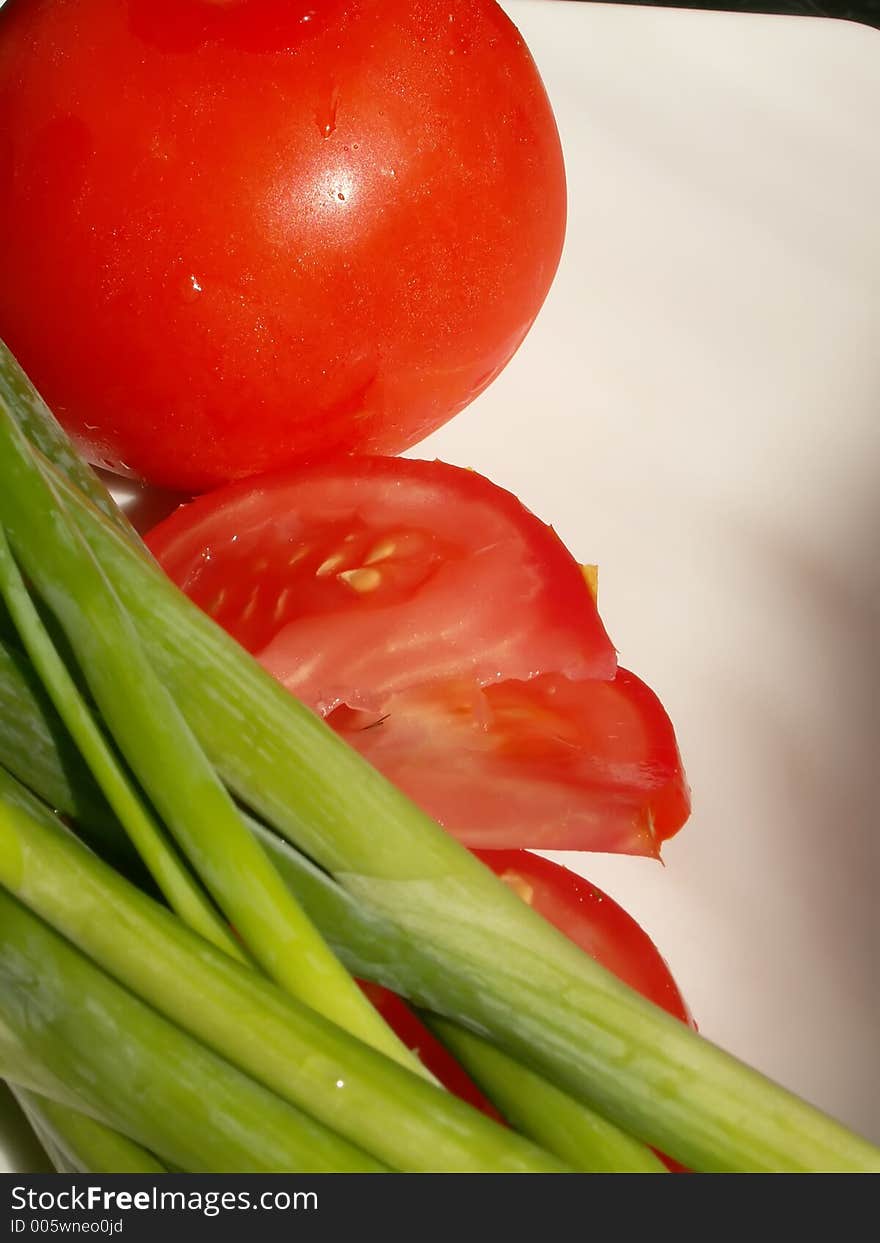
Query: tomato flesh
{"points": [[549, 763], [237, 235], [355, 581]]}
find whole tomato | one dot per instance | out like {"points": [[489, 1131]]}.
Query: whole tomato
{"points": [[236, 234]]}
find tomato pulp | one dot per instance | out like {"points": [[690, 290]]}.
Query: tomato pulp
{"points": [[447, 634], [239, 234]]}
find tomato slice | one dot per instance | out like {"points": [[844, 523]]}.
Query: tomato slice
{"points": [[446, 634], [355, 581], [548, 763]]}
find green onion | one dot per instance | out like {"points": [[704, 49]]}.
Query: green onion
{"points": [[71, 1033], [399, 1117], [373, 949], [536, 1108], [175, 881], [78, 1144], [36, 748]]}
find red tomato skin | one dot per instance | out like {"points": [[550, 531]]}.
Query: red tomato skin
{"points": [[236, 235]]}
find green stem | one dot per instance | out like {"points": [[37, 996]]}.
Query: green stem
{"points": [[71, 1033], [579, 1136], [174, 879], [79, 1143], [60, 1160], [396, 1115], [373, 949], [37, 749]]}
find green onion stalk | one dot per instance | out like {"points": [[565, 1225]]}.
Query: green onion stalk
{"points": [[476, 954], [38, 750], [171, 874], [77, 1144], [373, 949]]}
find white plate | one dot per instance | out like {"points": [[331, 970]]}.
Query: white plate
{"points": [[698, 410]]}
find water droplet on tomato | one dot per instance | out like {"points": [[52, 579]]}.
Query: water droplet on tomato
{"points": [[190, 288]]}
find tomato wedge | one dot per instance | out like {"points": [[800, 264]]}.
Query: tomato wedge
{"points": [[447, 634], [354, 581]]}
